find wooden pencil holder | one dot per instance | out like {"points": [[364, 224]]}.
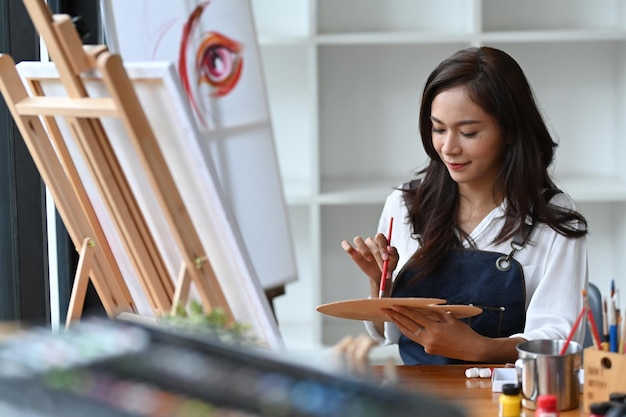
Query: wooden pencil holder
{"points": [[605, 372]]}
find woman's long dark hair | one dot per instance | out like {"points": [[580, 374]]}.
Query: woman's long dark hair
{"points": [[496, 83]]}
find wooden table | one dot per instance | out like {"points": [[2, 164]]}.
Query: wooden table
{"points": [[449, 383]]}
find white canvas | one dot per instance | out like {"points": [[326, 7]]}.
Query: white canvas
{"points": [[235, 127]]}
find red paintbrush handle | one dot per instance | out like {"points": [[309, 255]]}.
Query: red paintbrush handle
{"points": [[571, 333], [383, 277]]}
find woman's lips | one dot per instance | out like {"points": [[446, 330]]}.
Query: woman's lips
{"points": [[456, 166]]}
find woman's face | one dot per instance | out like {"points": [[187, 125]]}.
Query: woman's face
{"points": [[468, 140]]}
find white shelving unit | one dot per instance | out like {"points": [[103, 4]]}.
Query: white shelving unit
{"points": [[344, 82]]}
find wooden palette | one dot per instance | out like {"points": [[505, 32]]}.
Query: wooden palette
{"points": [[369, 309]]}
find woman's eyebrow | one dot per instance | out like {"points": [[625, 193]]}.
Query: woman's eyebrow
{"points": [[461, 123]]}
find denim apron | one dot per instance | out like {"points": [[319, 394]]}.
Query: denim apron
{"points": [[490, 280]]}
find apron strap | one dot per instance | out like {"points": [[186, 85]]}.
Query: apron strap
{"points": [[503, 263]]}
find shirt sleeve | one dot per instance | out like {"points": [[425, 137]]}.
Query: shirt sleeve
{"points": [[557, 298], [392, 333]]}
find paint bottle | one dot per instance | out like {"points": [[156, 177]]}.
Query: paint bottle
{"points": [[617, 411], [599, 409], [510, 401], [617, 397], [546, 406]]}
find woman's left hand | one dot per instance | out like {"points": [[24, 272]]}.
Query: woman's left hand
{"points": [[439, 333]]}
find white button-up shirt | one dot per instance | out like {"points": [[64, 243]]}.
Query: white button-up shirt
{"points": [[555, 269]]}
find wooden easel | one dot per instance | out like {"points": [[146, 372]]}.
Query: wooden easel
{"points": [[47, 146]]}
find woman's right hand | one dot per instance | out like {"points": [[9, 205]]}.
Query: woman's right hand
{"points": [[370, 255]]}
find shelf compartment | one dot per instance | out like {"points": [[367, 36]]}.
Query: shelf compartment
{"points": [[347, 16], [289, 77], [579, 87], [513, 15], [369, 119], [282, 18]]}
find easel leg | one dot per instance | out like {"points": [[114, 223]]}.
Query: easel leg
{"points": [[181, 291], [79, 290]]}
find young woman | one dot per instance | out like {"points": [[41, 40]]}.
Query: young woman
{"points": [[483, 224]]}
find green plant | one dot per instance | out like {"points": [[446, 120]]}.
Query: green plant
{"points": [[214, 324]]}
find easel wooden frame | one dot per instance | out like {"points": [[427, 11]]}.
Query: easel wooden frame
{"points": [[82, 114]]}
